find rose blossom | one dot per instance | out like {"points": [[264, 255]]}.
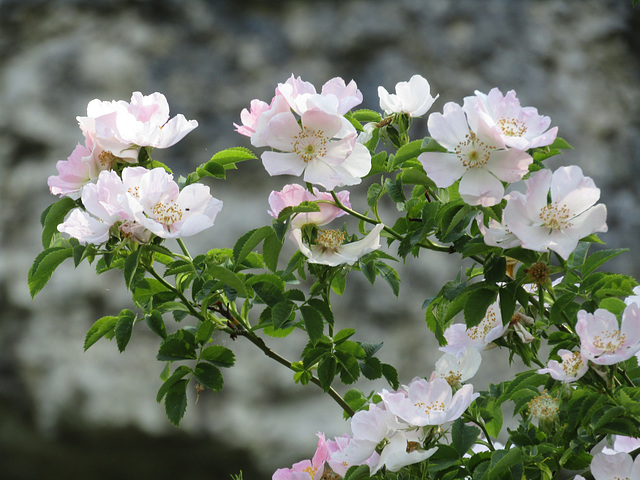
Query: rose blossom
{"points": [[329, 248], [519, 127], [571, 367], [602, 341], [559, 225], [475, 156], [412, 98]]}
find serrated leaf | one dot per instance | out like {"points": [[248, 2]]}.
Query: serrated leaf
{"points": [[371, 368], [312, 322], [229, 157], [131, 266], [391, 375], [229, 278], [271, 251], [323, 307], [99, 329], [177, 375], [175, 402], [249, 241], [463, 436], [209, 376], [124, 328], [390, 276], [503, 460], [374, 193], [44, 265], [178, 346], [219, 356], [327, 371], [53, 216], [156, 323], [364, 115], [597, 259], [281, 312], [395, 191]]}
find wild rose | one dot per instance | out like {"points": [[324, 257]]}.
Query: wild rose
{"points": [[602, 341], [330, 249], [302, 96], [403, 448], [318, 147], [474, 156], [412, 98], [293, 195], [81, 167], [519, 127], [429, 403], [571, 367], [119, 128], [458, 369], [166, 210], [559, 225], [306, 469], [615, 466]]}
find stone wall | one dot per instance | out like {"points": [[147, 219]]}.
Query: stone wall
{"points": [[70, 411]]}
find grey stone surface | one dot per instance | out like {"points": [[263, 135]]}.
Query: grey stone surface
{"points": [[576, 61]]}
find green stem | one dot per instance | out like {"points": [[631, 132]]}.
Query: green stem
{"points": [[258, 342], [428, 244], [183, 247]]}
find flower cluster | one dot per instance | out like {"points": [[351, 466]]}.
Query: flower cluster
{"points": [[390, 434], [309, 132], [114, 132]]}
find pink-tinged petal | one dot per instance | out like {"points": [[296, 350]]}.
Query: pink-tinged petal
{"points": [[509, 165], [281, 131], [174, 130], [152, 108], [479, 187], [277, 163], [85, 228], [608, 467], [356, 165], [348, 95], [570, 187], [321, 173], [537, 192], [450, 127], [443, 168], [321, 121]]}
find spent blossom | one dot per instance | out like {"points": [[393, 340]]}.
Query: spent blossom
{"points": [[412, 98], [559, 225], [518, 127], [603, 341], [474, 156]]}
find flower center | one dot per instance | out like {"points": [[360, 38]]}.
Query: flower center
{"points": [[167, 213], [106, 158], [412, 447], [544, 406], [481, 330], [330, 239], [473, 153], [429, 408], [512, 127], [555, 216], [452, 378], [310, 144], [609, 341], [310, 470], [571, 365]]}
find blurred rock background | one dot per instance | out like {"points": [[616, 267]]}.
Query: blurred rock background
{"points": [[69, 414]]}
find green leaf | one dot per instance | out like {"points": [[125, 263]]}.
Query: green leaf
{"points": [[281, 312], [229, 278], [175, 402], [561, 144], [596, 259], [313, 323], [245, 245], [103, 326], [360, 472], [390, 276], [303, 207], [373, 194], [503, 460], [52, 217], [209, 376], [326, 371], [271, 251], [44, 265], [178, 346], [477, 304], [366, 116], [463, 436], [179, 373], [323, 307], [219, 356], [131, 266], [391, 375], [211, 169], [395, 190], [124, 328], [408, 151], [156, 323], [226, 159]]}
